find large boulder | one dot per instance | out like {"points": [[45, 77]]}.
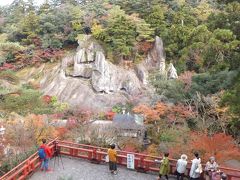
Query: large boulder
{"points": [[109, 78], [88, 79], [77, 92]]}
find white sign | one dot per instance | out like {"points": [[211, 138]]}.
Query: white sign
{"points": [[130, 161]]}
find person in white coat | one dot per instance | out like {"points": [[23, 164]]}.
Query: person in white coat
{"points": [[181, 167], [196, 163]]}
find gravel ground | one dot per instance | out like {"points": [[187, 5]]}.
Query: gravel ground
{"points": [[77, 169]]}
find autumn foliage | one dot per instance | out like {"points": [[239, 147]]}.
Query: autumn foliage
{"points": [[32, 57], [220, 145], [149, 113], [144, 47], [173, 113]]}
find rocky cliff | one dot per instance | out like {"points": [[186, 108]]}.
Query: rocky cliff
{"points": [[155, 61], [88, 80]]}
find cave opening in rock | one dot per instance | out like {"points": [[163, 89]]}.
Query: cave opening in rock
{"points": [[123, 89]]}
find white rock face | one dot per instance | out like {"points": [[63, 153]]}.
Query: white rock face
{"points": [[142, 73], [156, 56], [155, 61], [172, 72], [77, 91], [110, 78], [88, 79]]}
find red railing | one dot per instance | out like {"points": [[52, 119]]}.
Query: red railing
{"points": [[143, 162], [25, 168]]}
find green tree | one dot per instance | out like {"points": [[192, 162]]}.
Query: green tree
{"points": [[192, 54], [220, 50], [157, 20], [24, 102], [120, 33], [231, 98], [30, 27]]}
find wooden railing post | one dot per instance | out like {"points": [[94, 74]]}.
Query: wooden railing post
{"points": [[141, 167], [71, 152], [26, 168], [90, 155], [94, 154], [136, 163]]}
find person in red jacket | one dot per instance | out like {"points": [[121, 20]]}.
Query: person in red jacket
{"points": [[48, 155]]}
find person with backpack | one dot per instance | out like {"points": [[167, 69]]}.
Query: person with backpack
{"points": [[196, 168], [44, 153], [112, 154]]}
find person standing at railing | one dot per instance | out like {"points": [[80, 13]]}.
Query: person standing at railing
{"points": [[112, 154], [164, 167], [211, 169], [45, 154], [181, 167], [196, 168]]}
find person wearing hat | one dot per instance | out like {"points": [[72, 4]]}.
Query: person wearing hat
{"points": [[210, 168], [181, 167]]}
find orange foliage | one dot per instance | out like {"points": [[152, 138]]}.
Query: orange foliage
{"points": [[144, 47], [60, 132], [160, 110], [28, 131], [219, 145], [179, 113], [150, 114]]}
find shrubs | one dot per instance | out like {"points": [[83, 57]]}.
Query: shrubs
{"points": [[24, 101], [231, 98], [211, 83], [13, 161], [173, 90]]}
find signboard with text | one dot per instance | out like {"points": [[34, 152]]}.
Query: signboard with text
{"points": [[130, 161]]}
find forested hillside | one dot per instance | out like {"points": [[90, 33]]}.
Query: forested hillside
{"points": [[201, 39]]}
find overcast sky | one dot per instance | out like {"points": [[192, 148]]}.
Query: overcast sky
{"points": [[7, 2]]}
